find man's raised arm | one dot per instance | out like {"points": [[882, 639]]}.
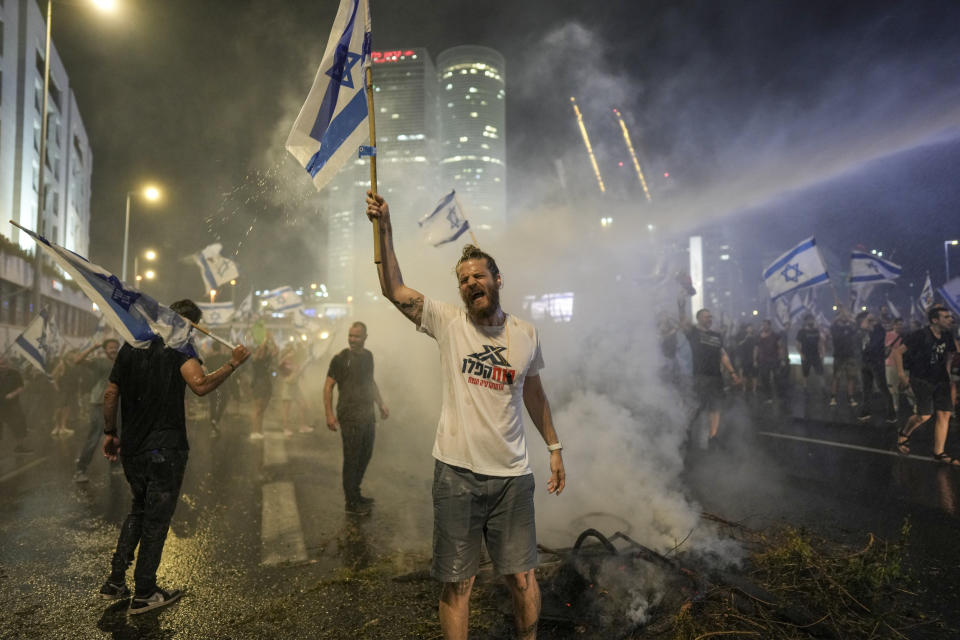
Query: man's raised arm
{"points": [[407, 300]]}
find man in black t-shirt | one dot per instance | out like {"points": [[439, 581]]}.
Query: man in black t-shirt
{"points": [[351, 371], [810, 346], [872, 365], [928, 352], [149, 384], [708, 355], [11, 415], [843, 335]]}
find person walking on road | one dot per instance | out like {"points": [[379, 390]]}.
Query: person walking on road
{"points": [[482, 483], [928, 353], [11, 414], [351, 371], [149, 385]]}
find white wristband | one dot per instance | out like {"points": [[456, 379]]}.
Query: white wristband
{"points": [[554, 447]]}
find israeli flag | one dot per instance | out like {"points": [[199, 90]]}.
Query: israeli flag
{"points": [[951, 294], [332, 124], [39, 342], [797, 269], [135, 316], [215, 269], [867, 267], [926, 296], [894, 312], [797, 308], [282, 299], [917, 312], [445, 223], [216, 314], [245, 310], [781, 314]]}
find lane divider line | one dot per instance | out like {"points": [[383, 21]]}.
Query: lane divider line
{"points": [[844, 445], [20, 470], [281, 535]]}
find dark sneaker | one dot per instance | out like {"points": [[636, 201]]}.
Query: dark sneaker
{"points": [[366, 500], [159, 598], [80, 477], [113, 591], [357, 509]]}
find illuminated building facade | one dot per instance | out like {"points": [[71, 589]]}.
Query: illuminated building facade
{"points": [[69, 161], [473, 159]]}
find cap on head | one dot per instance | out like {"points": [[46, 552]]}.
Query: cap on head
{"points": [[188, 309]]}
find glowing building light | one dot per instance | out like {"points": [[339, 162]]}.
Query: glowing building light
{"points": [[586, 142], [633, 154]]}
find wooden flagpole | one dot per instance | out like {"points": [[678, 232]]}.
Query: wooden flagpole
{"points": [[470, 229], [215, 337], [373, 160]]}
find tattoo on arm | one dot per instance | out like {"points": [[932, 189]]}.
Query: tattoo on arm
{"points": [[412, 308]]}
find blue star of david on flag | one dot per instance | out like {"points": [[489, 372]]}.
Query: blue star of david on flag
{"points": [[799, 268], [343, 63], [791, 273], [870, 267], [445, 223]]}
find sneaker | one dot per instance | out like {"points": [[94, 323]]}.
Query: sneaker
{"points": [[864, 417], [80, 477], [114, 591], [366, 500], [854, 403], [357, 508], [256, 435], [833, 402], [157, 599]]}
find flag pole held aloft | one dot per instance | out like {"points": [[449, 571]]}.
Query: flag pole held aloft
{"points": [[373, 161]]}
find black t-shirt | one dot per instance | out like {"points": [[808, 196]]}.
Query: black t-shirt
{"points": [[927, 354], [353, 372], [705, 348], [768, 349], [151, 398], [746, 347], [844, 336], [809, 339], [10, 380]]}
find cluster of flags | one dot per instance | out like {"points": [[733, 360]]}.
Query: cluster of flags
{"points": [[40, 342]]}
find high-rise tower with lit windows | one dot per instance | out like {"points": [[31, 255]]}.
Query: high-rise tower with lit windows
{"points": [[473, 158]]}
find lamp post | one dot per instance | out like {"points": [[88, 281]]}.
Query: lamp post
{"points": [[946, 254], [150, 193], [104, 5]]}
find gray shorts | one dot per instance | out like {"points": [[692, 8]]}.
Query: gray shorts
{"points": [[469, 508]]}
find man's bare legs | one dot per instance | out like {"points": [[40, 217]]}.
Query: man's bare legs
{"points": [[940, 432], [903, 438], [455, 609], [714, 423], [525, 593]]}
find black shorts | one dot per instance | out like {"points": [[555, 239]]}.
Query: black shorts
{"points": [[816, 362], [709, 392], [931, 396]]}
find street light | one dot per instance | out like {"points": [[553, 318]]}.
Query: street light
{"points": [[149, 254], [946, 254], [45, 117], [150, 274], [152, 194]]}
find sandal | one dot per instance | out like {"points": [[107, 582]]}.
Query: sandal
{"points": [[947, 459], [903, 443]]}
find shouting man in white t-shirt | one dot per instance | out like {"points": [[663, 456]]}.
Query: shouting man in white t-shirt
{"points": [[482, 482]]}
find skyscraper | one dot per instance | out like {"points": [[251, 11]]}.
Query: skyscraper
{"points": [[473, 158]]}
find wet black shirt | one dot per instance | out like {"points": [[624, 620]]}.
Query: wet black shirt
{"points": [[927, 355], [705, 348], [809, 339], [844, 336], [353, 373], [151, 398]]}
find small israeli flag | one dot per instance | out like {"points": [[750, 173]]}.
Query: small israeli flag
{"points": [[135, 316], [39, 342], [216, 314], [445, 223], [868, 267], [214, 268], [926, 295], [894, 312], [282, 299], [951, 294], [797, 269], [332, 125]]}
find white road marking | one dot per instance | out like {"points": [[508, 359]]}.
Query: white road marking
{"points": [[20, 470], [274, 449], [280, 531], [844, 445]]}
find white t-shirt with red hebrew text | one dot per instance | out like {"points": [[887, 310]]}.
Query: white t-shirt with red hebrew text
{"points": [[483, 369]]}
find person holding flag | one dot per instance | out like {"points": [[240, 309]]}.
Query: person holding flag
{"points": [[491, 364], [149, 384], [11, 414]]}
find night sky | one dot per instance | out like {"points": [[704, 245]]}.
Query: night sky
{"points": [[840, 119]]}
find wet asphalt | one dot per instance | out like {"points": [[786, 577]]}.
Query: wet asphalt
{"points": [[798, 463]]}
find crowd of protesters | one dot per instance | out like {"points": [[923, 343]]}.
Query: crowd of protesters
{"points": [[905, 373]]}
